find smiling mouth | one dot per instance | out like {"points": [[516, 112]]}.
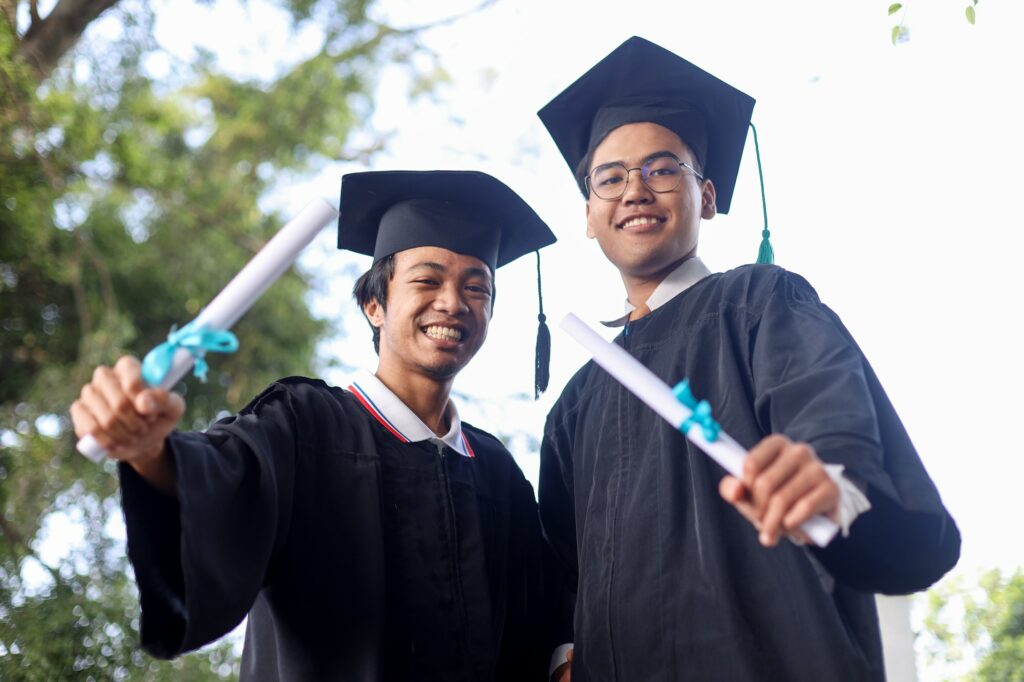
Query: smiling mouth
{"points": [[443, 333], [640, 222]]}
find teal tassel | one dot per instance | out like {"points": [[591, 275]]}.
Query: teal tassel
{"points": [[766, 254]]}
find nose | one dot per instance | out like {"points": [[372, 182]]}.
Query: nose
{"points": [[450, 300], [637, 191]]}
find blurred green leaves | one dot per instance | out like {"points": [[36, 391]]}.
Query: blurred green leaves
{"points": [[126, 203], [901, 33], [978, 626]]}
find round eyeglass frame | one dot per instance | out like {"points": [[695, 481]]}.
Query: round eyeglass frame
{"points": [[643, 177]]}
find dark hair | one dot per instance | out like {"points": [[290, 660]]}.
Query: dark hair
{"points": [[583, 170], [373, 285]]}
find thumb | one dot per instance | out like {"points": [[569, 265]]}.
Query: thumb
{"points": [[732, 489], [155, 402]]}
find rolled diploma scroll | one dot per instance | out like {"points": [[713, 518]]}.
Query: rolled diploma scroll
{"points": [[656, 394], [241, 292]]}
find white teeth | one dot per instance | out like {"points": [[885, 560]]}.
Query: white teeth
{"points": [[444, 333], [636, 222]]}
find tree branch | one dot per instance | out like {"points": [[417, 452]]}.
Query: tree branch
{"points": [[78, 290], [10, 12], [47, 40]]}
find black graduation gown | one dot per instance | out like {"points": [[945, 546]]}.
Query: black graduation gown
{"points": [[357, 557], [667, 580]]}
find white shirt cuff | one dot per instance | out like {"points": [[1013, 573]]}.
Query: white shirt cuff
{"points": [[560, 656], [852, 502]]}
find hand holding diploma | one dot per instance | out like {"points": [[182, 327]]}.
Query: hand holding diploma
{"points": [[116, 411], [780, 486], [129, 420]]}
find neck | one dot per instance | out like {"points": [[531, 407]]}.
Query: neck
{"points": [[640, 287], [427, 397]]}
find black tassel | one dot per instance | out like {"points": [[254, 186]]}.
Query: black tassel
{"points": [[542, 367]]}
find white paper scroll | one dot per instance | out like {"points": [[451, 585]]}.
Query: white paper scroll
{"points": [[243, 291], [656, 394]]}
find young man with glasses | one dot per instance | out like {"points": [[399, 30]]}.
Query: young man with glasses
{"points": [[672, 570], [368, 533]]}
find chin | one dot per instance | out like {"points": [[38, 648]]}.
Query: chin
{"points": [[443, 371]]}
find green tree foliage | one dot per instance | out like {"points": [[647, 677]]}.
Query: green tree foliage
{"points": [[978, 629], [900, 32], [125, 205]]}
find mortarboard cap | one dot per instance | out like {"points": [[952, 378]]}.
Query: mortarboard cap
{"points": [[384, 212], [643, 82], [468, 212]]}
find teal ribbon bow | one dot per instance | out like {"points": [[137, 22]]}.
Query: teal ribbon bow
{"points": [[196, 341], [700, 412]]}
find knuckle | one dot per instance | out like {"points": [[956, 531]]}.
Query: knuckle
{"points": [[803, 451], [762, 488], [126, 362]]}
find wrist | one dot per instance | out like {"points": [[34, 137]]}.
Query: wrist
{"points": [[156, 467]]}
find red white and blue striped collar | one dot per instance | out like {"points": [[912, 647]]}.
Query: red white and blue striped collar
{"points": [[400, 421]]}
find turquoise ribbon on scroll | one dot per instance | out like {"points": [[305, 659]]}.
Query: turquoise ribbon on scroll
{"points": [[196, 341], [700, 412]]}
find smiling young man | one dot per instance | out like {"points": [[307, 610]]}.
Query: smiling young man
{"points": [[368, 533], [672, 570]]}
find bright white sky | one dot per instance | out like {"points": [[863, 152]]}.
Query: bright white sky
{"points": [[893, 184]]}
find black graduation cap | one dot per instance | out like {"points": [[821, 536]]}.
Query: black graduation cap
{"points": [[384, 212], [468, 212], [643, 82]]}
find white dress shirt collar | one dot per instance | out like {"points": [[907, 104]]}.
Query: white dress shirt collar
{"points": [[402, 422], [688, 273]]}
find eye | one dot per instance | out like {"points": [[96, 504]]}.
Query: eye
{"points": [[426, 281], [662, 167], [478, 289]]}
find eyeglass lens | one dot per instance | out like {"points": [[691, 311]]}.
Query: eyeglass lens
{"points": [[660, 174]]}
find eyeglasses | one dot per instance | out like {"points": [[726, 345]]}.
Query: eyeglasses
{"points": [[660, 174]]}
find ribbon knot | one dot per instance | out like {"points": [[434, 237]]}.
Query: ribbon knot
{"points": [[700, 412], [197, 341]]}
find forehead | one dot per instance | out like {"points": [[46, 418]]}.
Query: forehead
{"points": [[450, 261], [635, 141]]}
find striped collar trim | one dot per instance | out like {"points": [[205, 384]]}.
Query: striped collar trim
{"points": [[400, 421]]}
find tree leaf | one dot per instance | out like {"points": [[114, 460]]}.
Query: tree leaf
{"points": [[895, 34], [970, 14], [895, 7]]}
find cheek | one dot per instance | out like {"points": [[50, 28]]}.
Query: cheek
{"points": [[596, 219]]}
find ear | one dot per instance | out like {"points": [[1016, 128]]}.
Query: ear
{"points": [[590, 230], [374, 312], [708, 209]]}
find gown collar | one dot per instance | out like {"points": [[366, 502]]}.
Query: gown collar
{"points": [[402, 422], [688, 273]]}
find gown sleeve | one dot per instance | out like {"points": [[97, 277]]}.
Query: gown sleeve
{"points": [[524, 652], [558, 523], [813, 384], [201, 560]]}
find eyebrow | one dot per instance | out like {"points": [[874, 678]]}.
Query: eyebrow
{"points": [[437, 267], [429, 265], [650, 157]]}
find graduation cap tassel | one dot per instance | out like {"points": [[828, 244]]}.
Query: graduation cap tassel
{"points": [[543, 353], [765, 254]]}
